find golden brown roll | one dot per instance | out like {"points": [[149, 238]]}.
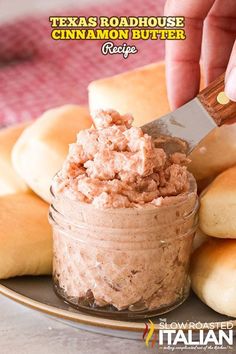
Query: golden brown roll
{"points": [[141, 92], [214, 154], [41, 149], [10, 181], [213, 275], [25, 236], [199, 239], [217, 214]]}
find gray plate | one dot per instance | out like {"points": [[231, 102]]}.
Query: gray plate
{"points": [[37, 293]]}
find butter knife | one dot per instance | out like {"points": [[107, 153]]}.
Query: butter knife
{"points": [[197, 118]]}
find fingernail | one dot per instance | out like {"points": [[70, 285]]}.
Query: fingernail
{"points": [[230, 85]]}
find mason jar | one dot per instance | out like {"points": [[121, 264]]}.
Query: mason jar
{"points": [[130, 263]]}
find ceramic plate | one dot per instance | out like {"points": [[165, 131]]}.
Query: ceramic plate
{"points": [[38, 293]]}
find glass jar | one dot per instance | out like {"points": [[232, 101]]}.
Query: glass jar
{"points": [[128, 263]]}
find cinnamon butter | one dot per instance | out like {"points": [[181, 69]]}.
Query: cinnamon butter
{"points": [[123, 216]]}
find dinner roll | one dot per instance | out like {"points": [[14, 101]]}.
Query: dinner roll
{"points": [[217, 214], [215, 153], [199, 239], [25, 236], [213, 275], [10, 181], [142, 92], [41, 149]]}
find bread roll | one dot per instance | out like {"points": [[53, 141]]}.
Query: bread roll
{"points": [[213, 275], [142, 92], [25, 236], [217, 214], [199, 239], [214, 154], [41, 149], [10, 181]]}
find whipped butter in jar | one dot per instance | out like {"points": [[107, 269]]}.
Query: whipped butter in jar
{"points": [[123, 215]]}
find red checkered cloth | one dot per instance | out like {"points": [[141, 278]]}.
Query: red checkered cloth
{"points": [[37, 73]]}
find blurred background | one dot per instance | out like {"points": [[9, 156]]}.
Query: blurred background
{"points": [[37, 73]]}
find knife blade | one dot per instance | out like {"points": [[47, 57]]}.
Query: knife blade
{"points": [[197, 118]]}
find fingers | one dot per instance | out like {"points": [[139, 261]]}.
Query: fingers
{"points": [[182, 57], [218, 38], [230, 76]]}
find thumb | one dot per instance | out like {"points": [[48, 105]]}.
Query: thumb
{"points": [[230, 77]]}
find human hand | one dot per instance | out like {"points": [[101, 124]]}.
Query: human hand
{"points": [[210, 27]]}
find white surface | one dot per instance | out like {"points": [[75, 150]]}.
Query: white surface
{"points": [[25, 331]]}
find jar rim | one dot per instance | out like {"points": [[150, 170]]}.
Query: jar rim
{"points": [[148, 209]]}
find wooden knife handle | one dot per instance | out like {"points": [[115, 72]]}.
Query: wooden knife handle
{"points": [[218, 105]]}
